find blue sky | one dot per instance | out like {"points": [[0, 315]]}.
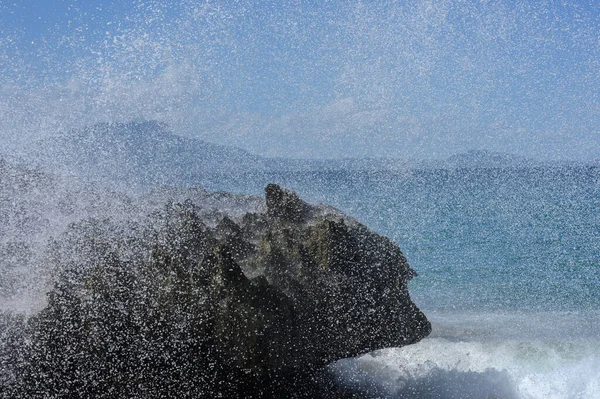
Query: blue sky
{"points": [[421, 79]]}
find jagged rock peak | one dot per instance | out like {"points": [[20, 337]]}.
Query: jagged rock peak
{"points": [[284, 204]]}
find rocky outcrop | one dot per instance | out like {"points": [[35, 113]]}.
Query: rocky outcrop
{"points": [[242, 305]]}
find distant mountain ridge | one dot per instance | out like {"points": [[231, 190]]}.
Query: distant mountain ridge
{"points": [[479, 159], [472, 159], [148, 154], [137, 153], [487, 159]]}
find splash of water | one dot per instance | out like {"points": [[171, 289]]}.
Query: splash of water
{"points": [[337, 79]]}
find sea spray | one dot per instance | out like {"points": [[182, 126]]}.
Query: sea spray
{"points": [[449, 369]]}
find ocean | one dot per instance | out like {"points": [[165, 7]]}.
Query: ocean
{"points": [[508, 264]]}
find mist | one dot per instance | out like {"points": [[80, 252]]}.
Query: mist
{"points": [[420, 80]]}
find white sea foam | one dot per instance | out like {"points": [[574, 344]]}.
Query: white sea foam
{"points": [[487, 355], [440, 368]]}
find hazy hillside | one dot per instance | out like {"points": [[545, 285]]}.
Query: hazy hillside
{"points": [[141, 155], [478, 159], [137, 154]]}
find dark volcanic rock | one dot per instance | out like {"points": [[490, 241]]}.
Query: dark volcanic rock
{"points": [[285, 205], [252, 305]]}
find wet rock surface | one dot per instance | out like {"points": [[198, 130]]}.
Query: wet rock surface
{"points": [[197, 303]]}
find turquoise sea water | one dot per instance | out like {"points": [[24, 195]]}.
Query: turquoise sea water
{"points": [[494, 240]]}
